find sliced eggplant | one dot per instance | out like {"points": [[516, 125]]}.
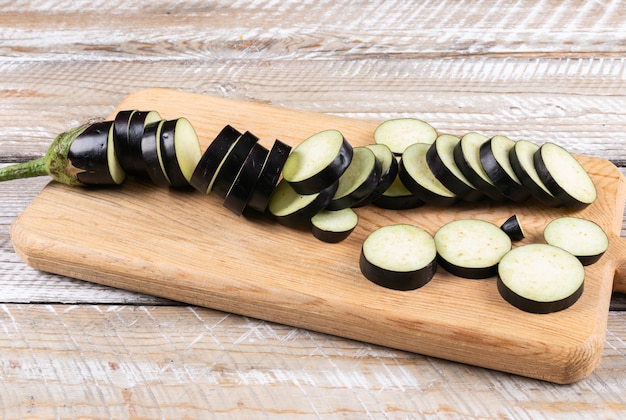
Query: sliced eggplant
{"points": [[180, 150], [564, 176], [583, 238], [399, 257], [467, 158], [212, 159], [513, 227], [317, 162], [398, 197], [418, 178], [400, 133], [244, 184], [150, 152], [494, 158], [292, 209], [130, 154], [471, 248], [388, 172], [440, 160], [232, 164], [521, 157], [270, 174], [540, 278], [358, 181], [334, 226], [121, 128], [91, 156]]}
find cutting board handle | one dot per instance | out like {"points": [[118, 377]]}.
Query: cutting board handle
{"points": [[619, 283]]}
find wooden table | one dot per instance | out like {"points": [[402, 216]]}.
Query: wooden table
{"points": [[535, 70]]}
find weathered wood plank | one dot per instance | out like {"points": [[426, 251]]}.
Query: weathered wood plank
{"points": [[168, 362]]}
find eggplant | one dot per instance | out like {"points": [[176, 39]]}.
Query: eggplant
{"points": [[513, 227], [521, 157], [494, 158], [232, 164], [583, 238], [66, 164], [440, 160], [417, 177], [270, 174], [471, 248], [400, 257], [358, 181], [398, 197], [400, 133], [128, 147], [388, 172], [334, 226], [540, 278], [564, 176], [213, 157], [244, 184], [318, 162], [467, 158], [293, 209], [180, 150], [151, 154]]}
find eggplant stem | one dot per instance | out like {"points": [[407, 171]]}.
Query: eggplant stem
{"points": [[32, 168]]}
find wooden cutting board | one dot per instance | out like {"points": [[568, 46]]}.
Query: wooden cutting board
{"points": [[186, 246]]}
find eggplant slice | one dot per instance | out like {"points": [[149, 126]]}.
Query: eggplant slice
{"points": [[334, 226], [583, 238], [400, 133]]}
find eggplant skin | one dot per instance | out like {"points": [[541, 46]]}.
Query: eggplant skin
{"points": [[513, 228], [87, 155], [397, 280], [331, 237], [474, 273], [303, 215], [532, 306], [272, 168]]}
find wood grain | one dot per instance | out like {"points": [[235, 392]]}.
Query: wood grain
{"points": [[254, 267]]}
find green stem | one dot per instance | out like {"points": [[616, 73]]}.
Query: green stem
{"points": [[32, 168]]}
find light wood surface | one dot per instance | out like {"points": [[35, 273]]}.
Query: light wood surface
{"points": [[535, 70]]}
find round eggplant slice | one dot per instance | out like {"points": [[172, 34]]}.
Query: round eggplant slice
{"points": [[440, 160], [180, 150], [358, 181], [417, 177], [130, 156], [494, 158], [292, 209], [121, 127], [582, 238], [398, 197], [564, 176], [540, 278], [467, 158], [245, 182], [400, 133], [232, 164], [318, 162], [471, 248], [334, 226], [151, 156], [270, 174], [212, 159], [92, 156], [388, 165], [513, 228], [399, 257], [521, 157]]}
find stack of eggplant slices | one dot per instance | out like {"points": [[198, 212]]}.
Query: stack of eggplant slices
{"points": [[318, 184]]}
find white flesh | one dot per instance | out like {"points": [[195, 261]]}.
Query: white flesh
{"points": [[580, 237], [500, 147], [400, 248], [187, 146], [472, 243], [445, 149], [397, 189], [115, 169], [336, 221], [525, 150], [414, 160], [568, 173], [383, 154], [313, 155], [541, 272], [286, 201], [400, 133], [361, 166], [470, 144]]}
